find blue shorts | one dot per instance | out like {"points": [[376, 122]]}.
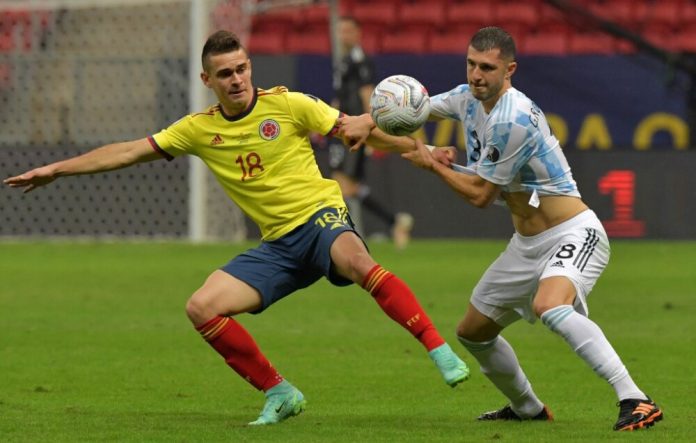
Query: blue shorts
{"points": [[294, 261]]}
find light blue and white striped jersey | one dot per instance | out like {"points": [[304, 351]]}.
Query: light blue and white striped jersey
{"points": [[512, 146]]}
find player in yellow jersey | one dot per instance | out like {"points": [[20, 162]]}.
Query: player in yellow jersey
{"points": [[256, 143]]}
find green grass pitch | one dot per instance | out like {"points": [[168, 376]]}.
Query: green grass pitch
{"points": [[95, 346]]}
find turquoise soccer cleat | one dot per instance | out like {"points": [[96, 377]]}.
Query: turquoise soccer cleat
{"points": [[282, 402], [452, 368]]}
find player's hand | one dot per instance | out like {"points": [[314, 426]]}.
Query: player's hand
{"points": [[445, 155], [32, 179], [354, 130], [421, 156]]}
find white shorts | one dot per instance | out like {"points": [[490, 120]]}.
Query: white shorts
{"points": [[577, 249]]}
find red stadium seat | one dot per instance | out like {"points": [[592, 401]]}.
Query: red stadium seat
{"points": [[625, 46], [660, 35], [345, 7], [372, 43], [15, 30], [687, 13], [467, 13], [6, 41], [664, 12], [308, 43], [381, 14], [266, 43], [404, 42], [544, 43], [517, 13], [280, 21], [422, 14], [685, 41], [456, 42], [314, 28], [362, 2], [553, 20], [618, 11], [315, 16], [591, 43]]}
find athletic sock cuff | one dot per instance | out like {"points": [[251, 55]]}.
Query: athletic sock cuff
{"points": [[474, 346], [375, 279], [214, 327], [553, 317]]}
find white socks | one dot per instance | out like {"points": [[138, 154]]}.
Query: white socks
{"points": [[499, 363], [588, 341]]}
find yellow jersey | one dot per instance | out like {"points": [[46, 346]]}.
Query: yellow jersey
{"points": [[262, 157]]}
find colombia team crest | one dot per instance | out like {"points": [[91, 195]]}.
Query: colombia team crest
{"points": [[269, 129]]}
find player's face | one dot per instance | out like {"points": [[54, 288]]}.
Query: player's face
{"points": [[348, 34], [229, 76], [488, 75]]}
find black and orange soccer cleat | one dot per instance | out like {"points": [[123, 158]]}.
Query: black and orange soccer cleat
{"points": [[506, 413], [637, 414]]}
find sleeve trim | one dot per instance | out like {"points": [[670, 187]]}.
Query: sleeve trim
{"points": [[334, 129], [157, 149]]}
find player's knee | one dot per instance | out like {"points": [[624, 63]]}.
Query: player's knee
{"points": [[477, 328], [553, 292], [359, 266], [541, 305], [466, 331], [198, 308]]}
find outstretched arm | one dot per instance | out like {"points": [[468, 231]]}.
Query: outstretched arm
{"points": [[105, 158], [477, 191], [361, 129]]}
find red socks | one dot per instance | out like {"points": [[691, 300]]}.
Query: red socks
{"points": [[400, 304], [240, 352]]}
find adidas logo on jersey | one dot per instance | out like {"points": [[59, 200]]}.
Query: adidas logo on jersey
{"points": [[558, 264], [217, 140]]}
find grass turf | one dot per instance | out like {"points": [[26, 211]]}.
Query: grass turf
{"points": [[95, 346]]}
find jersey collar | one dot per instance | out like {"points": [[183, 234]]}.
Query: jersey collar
{"points": [[243, 114]]}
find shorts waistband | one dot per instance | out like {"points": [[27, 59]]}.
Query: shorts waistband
{"points": [[586, 215]]}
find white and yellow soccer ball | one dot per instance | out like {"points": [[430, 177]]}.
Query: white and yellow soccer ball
{"points": [[399, 105]]}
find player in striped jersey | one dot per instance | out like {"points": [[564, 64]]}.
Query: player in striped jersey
{"points": [[256, 143], [559, 248]]}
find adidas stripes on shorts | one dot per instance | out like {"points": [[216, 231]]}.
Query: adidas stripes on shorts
{"points": [[577, 249]]}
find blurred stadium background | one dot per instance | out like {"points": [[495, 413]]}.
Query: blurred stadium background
{"points": [[616, 78]]}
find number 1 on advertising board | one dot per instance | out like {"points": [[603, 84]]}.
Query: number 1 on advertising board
{"points": [[621, 184]]}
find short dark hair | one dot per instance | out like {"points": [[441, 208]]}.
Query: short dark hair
{"points": [[221, 42], [493, 37]]}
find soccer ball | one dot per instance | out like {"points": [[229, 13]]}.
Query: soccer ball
{"points": [[399, 105]]}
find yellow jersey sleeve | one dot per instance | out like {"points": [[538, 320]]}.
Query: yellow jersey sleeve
{"points": [[312, 113], [175, 140]]}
